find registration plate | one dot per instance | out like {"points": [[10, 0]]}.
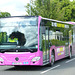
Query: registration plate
{"points": [[17, 63]]}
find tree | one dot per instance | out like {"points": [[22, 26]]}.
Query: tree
{"points": [[55, 9], [73, 11], [4, 14], [63, 10]]}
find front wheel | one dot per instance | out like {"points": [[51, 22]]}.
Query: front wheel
{"points": [[52, 58]]}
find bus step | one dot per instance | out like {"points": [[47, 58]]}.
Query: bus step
{"points": [[46, 63], [67, 55]]}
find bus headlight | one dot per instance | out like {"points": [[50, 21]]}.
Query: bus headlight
{"points": [[1, 59], [36, 59]]}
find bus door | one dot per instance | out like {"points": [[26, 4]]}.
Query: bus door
{"points": [[66, 49], [66, 43], [45, 45]]}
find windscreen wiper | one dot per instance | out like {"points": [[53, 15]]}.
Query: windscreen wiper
{"points": [[5, 50], [15, 49], [22, 47], [30, 49], [9, 43]]}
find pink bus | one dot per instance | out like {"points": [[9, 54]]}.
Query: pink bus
{"points": [[34, 40]]}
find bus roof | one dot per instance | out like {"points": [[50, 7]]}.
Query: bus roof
{"points": [[57, 21], [42, 18], [71, 23], [18, 16]]}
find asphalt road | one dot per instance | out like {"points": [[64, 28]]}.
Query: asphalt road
{"points": [[61, 67]]}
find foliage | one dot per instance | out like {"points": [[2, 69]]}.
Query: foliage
{"points": [[4, 14], [55, 9], [3, 36], [58, 42]]}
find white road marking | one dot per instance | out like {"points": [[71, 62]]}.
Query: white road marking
{"points": [[70, 60], [49, 69]]}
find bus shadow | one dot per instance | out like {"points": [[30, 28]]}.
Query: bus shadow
{"points": [[26, 68]]}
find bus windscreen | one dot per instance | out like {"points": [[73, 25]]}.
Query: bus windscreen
{"points": [[19, 31]]}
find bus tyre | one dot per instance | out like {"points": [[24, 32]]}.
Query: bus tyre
{"points": [[52, 58], [70, 55]]}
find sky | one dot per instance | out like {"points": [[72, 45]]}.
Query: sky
{"points": [[14, 7], [71, 0]]}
